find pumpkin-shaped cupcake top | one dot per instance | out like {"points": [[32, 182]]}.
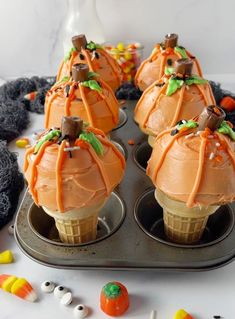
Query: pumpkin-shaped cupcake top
{"points": [[96, 57], [163, 56], [72, 167], [195, 161], [179, 95], [84, 95]]}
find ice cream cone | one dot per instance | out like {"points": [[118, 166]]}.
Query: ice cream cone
{"points": [[182, 224], [78, 225]]}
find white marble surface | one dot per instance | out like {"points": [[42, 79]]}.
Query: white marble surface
{"points": [[30, 30], [203, 294]]}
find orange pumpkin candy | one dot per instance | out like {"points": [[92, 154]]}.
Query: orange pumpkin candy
{"points": [[114, 299]]}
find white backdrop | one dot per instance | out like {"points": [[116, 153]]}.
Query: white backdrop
{"points": [[29, 31]]}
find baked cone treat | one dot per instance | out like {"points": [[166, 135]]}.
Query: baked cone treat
{"points": [[83, 95], [71, 173], [95, 57], [193, 169], [163, 57], [165, 102]]}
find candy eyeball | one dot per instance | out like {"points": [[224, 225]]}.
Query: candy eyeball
{"points": [[60, 291], [80, 311], [66, 299], [11, 229], [47, 286]]}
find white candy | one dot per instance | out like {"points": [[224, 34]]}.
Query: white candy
{"points": [[60, 291], [47, 286], [11, 230], [66, 299], [80, 311]]}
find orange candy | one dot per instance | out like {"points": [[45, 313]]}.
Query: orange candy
{"points": [[114, 299], [228, 103]]}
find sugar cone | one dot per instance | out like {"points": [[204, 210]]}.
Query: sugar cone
{"points": [[78, 225], [182, 224]]}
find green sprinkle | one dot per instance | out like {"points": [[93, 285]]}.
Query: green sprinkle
{"points": [[93, 85], [49, 136], [194, 79], [93, 46], [227, 130], [112, 290], [189, 125], [169, 70], [93, 140], [173, 85], [68, 55], [181, 51]]}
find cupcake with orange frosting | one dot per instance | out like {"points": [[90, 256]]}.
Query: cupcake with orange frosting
{"points": [[179, 95], [193, 169], [71, 173], [84, 95], [163, 56], [96, 57]]}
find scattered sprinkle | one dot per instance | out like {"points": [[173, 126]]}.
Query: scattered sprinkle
{"points": [[217, 144], [74, 148], [212, 155], [189, 136], [184, 122], [210, 136]]}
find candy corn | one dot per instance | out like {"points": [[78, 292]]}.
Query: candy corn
{"points": [[182, 314], [22, 142], [30, 96], [6, 257], [18, 286]]}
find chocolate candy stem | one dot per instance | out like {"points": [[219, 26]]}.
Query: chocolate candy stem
{"points": [[171, 40], [183, 67], [79, 42], [211, 117], [80, 72], [71, 127]]}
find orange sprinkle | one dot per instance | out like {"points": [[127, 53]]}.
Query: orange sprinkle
{"points": [[219, 159], [131, 142], [82, 144]]}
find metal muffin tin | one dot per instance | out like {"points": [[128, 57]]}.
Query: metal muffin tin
{"points": [[130, 229]]}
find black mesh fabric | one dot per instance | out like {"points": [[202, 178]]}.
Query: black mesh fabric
{"points": [[11, 184]]}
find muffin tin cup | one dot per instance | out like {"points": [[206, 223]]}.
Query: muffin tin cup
{"points": [[130, 229]]}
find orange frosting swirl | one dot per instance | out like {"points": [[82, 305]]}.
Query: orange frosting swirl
{"points": [[101, 110], [156, 111], [198, 169], [153, 68], [61, 181], [104, 65]]}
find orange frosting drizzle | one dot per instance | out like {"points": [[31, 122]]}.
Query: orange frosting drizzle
{"points": [[33, 176], [108, 143], [88, 59], [26, 162], [142, 96], [196, 62], [229, 149], [196, 185], [59, 164], [163, 65], [112, 63], [86, 105], [47, 114], [69, 100], [179, 106], [109, 105]]}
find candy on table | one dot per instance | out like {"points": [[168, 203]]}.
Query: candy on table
{"points": [[60, 291], [80, 311], [22, 142], [30, 96], [18, 286], [6, 257], [66, 299], [228, 103], [47, 286], [114, 299], [182, 314], [128, 57]]}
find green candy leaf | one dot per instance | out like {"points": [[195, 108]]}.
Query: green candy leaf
{"points": [[227, 130], [173, 85], [93, 46], [194, 79], [49, 136], [169, 70], [92, 75], [189, 125], [93, 140], [181, 51], [112, 290], [93, 85], [68, 54]]}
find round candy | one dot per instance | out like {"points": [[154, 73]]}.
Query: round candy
{"points": [[60, 291], [11, 230], [80, 311], [66, 299], [47, 286]]}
